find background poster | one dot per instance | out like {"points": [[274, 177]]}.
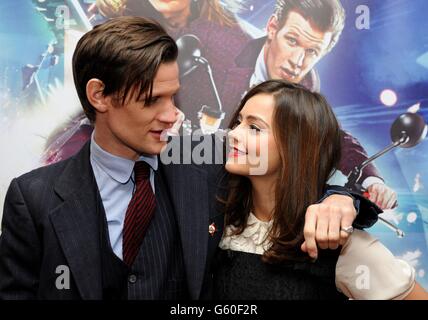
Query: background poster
{"points": [[377, 70]]}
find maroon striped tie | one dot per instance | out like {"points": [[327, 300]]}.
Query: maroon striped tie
{"points": [[139, 213]]}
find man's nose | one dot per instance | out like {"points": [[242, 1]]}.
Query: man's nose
{"points": [[169, 114], [297, 57]]}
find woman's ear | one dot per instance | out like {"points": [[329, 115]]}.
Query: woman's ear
{"points": [[95, 94]]}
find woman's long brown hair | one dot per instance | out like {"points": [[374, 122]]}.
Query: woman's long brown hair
{"points": [[307, 135]]}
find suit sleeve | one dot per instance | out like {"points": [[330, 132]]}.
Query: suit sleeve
{"points": [[367, 211], [19, 248], [354, 154]]}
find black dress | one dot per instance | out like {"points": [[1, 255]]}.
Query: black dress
{"points": [[240, 275]]}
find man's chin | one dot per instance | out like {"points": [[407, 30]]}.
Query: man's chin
{"points": [[292, 79], [153, 150], [158, 148]]}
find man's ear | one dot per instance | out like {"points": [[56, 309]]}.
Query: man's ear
{"points": [[272, 27], [94, 92]]}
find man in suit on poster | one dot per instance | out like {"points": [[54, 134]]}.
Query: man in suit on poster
{"points": [[113, 221], [299, 34]]}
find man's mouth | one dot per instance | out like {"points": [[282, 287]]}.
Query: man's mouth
{"points": [[289, 74], [156, 133]]}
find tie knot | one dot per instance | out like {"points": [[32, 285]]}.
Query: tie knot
{"points": [[141, 171]]}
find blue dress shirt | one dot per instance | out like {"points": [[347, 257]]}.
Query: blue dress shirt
{"points": [[115, 179]]}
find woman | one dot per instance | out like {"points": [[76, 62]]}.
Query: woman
{"points": [[260, 253]]}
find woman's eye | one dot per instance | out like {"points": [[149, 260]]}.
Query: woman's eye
{"points": [[253, 127]]}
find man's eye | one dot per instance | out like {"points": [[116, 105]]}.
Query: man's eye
{"points": [[292, 41], [152, 101], [312, 52]]}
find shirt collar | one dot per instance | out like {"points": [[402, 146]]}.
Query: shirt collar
{"points": [[118, 168], [260, 71]]}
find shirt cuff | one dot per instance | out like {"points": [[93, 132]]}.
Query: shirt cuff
{"points": [[340, 191], [371, 180]]}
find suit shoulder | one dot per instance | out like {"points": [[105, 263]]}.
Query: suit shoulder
{"points": [[46, 174]]}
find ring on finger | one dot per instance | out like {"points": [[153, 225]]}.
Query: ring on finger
{"points": [[348, 230]]}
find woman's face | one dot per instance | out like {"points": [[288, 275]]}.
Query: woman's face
{"points": [[253, 149], [170, 7]]}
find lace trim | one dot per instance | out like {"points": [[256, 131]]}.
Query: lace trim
{"points": [[252, 240]]}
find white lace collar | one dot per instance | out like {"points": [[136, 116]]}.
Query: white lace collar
{"points": [[251, 240]]}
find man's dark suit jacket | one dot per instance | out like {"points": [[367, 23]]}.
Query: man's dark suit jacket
{"points": [[49, 220]]}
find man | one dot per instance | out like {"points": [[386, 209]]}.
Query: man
{"points": [[221, 40], [113, 222], [299, 35]]}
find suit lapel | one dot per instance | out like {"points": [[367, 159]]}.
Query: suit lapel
{"points": [[76, 223], [248, 56], [189, 194]]}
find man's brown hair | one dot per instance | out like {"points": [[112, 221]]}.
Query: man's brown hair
{"points": [[125, 54], [324, 15]]}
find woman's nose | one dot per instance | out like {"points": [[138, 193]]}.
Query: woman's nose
{"points": [[237, 135]]}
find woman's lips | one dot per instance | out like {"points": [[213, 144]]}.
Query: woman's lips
{"points": [[235, 152]]}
